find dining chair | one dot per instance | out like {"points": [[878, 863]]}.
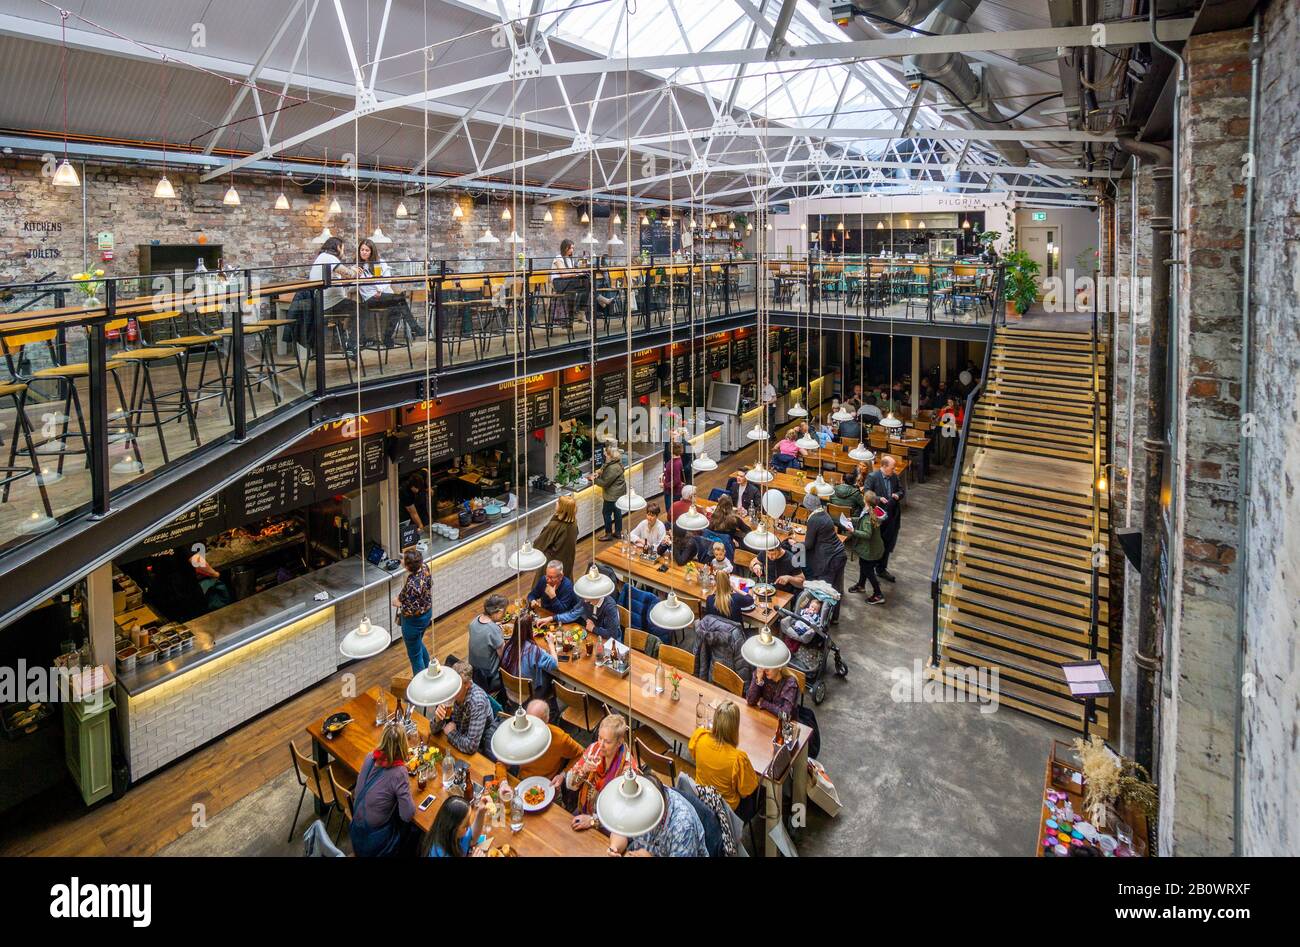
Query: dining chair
{"points": [[342, 798], [676, 657], [727, 679], [518, 690], [576, 708], [398, 685], [666, 764], [636, 638], [308, 774]]}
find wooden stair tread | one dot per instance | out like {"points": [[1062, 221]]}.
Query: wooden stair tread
{"points": [[1020, 614], [1032, 432], [962, 623], [1058, 577], [1003, 443], [1078, 515], [986, 481], [1063, 711], [1074, 601], [1078, 537]]}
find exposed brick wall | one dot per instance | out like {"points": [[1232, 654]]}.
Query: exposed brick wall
{"points": [[119, 199], [1271, 717], [1198, 720]]}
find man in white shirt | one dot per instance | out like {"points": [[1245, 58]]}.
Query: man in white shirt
{"points": [[649, 533]]}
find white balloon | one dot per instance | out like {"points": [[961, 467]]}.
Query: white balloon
{"points": [[965, 378], [774, 503]]}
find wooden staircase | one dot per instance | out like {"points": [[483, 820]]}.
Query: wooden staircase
{"points": [[1016, 586]]}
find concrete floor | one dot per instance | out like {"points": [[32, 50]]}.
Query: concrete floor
{"points": [[914, 778]]}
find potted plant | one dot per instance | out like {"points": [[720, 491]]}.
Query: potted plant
{"points": [[987, 239], [1020, 283], [569, 460]]}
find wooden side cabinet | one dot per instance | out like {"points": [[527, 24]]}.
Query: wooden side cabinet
{"points": [[88, 745]]}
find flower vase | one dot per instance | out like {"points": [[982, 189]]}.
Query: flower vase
{"points": [[676, 694]]}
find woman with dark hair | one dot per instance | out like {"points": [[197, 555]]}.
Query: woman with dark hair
{"points": [[381, 295], [454, 831], [726, 521], [523, 657], [414, 606]]}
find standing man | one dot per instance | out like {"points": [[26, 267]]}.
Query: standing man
{"points": [[887, 485]]}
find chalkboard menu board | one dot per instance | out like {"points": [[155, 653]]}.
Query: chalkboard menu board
{"points": [[206, 519], [487, 426], [611, 388], [645, 378], [682, 367], [575, 399], [536, 410], [434, 440], [743, 352], [660, 239], [336, 465], [715, 359], [284, 484]]}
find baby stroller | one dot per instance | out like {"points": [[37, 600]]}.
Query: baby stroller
{"points": [[813, 636]]}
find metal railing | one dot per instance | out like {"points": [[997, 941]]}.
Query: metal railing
{"points": [[959, 462]]}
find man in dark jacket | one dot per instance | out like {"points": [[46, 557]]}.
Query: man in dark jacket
{"points": [[887, 485], [743, 493], [824, 554]]}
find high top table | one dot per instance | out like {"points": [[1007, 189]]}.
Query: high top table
{"points": [[676, 718]]}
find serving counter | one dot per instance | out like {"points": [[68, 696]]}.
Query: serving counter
{"points": [[264, 649]]}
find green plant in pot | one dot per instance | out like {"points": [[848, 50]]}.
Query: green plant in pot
{"points": [[571, 456], [1020, 281], [987, 240]]}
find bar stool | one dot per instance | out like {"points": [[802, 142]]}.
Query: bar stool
{"points": [[259, 374], [10, 473], [142, 390], [158, 329], [270, 366]]}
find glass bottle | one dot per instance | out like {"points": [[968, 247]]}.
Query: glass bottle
{"points": [[381, 710], [701, 712], [659, 677], [516, 811], [448, 770]]}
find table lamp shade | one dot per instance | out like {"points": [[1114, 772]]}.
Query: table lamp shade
{"points": [[521, 740], [364, 641], [765, 650], [593, 585], [434, 685], [630, 806]]}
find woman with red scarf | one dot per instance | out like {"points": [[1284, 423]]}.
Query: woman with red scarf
{"points": [[382, 807], [600, 764]]}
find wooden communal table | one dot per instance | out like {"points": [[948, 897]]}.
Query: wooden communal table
{"points": [[676, 718], [544, 833], [675, 580]]}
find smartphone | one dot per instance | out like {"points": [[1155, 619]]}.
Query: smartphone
{"points": [[428, 801]]}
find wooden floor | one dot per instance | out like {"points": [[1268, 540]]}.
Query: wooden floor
{"points": [[162, 807]]}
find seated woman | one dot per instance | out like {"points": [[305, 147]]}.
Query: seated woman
{"points": [[524, 657], [775, 690], [382, 807], [720, 763], [601, 763], [725, 521], [687, 546], [455, 828], [649, 534], [727, 601]]}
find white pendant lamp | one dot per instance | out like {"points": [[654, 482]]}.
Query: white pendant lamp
{"points": [[322, 236], [773, 503], [618, 219], [456, 212], [231, 198], [514, 237], [526, 558], [282, 202], [584, 219], [672, 613], [548, 217], [765, 650], [920, 225], [760, 540], [702, 461], [163, 190], [589, 239], [630, 502], [65, 175], [757, 432], [841, 413], [524, 739], [645, 221], [630, 806], [880, 225], [488, 237], [819, 487], [807, 442], [891, 422], [797, 410], [860, 452], [364, 641], [401, 213], [759, 474], [614, 240], [692, 520], [434, 685], [380, 237], [335, 207], [593, 585], [505, 214]]}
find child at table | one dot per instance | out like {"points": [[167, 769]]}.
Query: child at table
{"points": [[720, 562]]}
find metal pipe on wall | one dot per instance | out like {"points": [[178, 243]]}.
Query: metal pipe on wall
{"points": [[1154, 444]]}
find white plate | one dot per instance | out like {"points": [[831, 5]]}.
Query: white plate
{"points": [[546, 786]]}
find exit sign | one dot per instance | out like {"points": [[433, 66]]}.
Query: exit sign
{"points": [[1040, 215]]}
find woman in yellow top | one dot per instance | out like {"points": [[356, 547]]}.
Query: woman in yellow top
{"points": [[720, 763]]}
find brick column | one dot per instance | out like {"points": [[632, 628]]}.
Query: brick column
{"points": [[1197, 718]]}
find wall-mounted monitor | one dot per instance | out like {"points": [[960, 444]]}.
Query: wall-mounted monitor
{"points": [[724, 398]]}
